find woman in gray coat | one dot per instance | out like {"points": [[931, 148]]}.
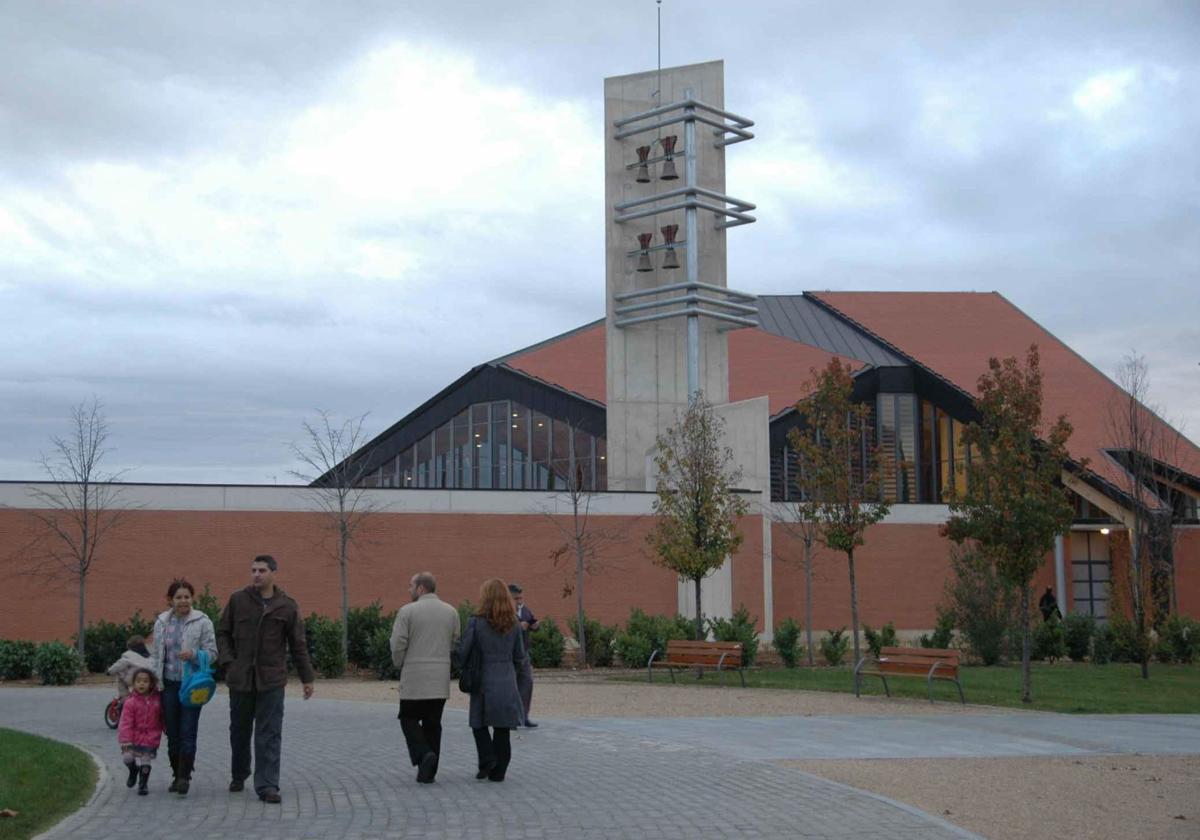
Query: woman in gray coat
{"points": [[497, 704]]}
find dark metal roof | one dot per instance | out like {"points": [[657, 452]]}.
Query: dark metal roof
{"points": [[800, 319]]}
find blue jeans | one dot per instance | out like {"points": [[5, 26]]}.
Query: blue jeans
{"points": [[182, 722]]}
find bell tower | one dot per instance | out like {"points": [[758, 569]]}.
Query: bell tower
{"points": [[667, 213]]}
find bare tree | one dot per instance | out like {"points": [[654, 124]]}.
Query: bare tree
{"points": [[337, 481], [801, 525], [1147, 448], [82, 507], [581, 550]]}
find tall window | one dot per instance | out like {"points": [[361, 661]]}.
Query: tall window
{"points": [[897, 425]]}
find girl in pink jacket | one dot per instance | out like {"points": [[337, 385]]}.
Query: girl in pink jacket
{"points": [[141, 729]]}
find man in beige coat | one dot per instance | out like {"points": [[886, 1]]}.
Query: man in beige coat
{"points": [[424, 634]]}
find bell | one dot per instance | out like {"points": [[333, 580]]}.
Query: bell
{"points": [[642, 173], [670, 259], [668, 168], [644, 263]]}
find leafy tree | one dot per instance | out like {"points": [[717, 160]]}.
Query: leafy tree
{"points": [[696, 507], [336, 481], [843, 479], [1013, 505], [81, 506]]}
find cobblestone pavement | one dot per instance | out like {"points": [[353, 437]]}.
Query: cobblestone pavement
{"points": [[346, 775]]}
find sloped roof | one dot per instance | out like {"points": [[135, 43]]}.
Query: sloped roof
{"points": [[760, 364], [801, 319], [955, 333], [574, 360]]}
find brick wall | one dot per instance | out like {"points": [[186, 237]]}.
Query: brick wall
{"points": [[216, 547]]}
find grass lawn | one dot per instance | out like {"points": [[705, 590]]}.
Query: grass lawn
{"points": [[1061, 687], [41, 779]]}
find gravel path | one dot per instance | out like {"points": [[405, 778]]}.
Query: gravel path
{"points": [[1085, 798]]}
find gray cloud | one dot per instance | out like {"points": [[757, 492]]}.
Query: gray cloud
{"points": [[937, 146]]}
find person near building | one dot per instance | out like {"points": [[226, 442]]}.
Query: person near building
{"points": [[423, 636], [1049, 605], [495, 705], [258, 627], [529, 623], [180, 632]]}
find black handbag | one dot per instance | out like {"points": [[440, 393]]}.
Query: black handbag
{"points": [[470, 678]]}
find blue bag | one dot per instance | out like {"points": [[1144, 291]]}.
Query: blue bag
{"points": [[198, 685]]}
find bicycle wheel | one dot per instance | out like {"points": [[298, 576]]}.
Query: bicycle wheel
{"points": [[112, 713]]}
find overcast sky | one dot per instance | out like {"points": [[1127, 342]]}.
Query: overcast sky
{"points": [[219, 217]]}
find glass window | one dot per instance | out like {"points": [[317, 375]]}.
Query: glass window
{"points": [[928, 459], [481, 474], [601, 463], [906, 448], [584, 460], [425, 461], [886, 410], [560, 455], [500, 448], [407, 474], [464, 452], [945, 440], [443, 457], [519, 445], [539, 450]]}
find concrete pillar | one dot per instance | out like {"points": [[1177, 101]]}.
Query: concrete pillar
{"points": [[1060, 575]]}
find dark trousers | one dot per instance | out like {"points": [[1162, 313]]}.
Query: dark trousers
{"points": [[494, 750], [260, 713], [525, 685], [421, 722], [180, 722]]}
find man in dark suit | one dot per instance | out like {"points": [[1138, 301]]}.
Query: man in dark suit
{"points": [[529, 623]]}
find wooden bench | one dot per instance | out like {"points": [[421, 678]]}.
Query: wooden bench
{"points": [[683, 654], [930, 663]]}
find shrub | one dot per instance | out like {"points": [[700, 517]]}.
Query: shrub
{"points": [[465, 610], [17, 659], [644, 634], [546, 645], [878, 640], [943, 631], [787, 642], [363, 623], [600, 639], [984, 605], [833, 646], [1048, 641], [1182, 635], [1163, 651], [381, 655], [742, 627], [1102, 645], [57, 664], [1078, 629], [207, 603], [103, 644], [1126, 645], [325, 645], [104, 641]]}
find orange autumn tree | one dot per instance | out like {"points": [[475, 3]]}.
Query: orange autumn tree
{"points": [[1014, 504]]}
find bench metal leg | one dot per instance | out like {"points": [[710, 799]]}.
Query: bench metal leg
{"points": [[962, 697], [743, 676]]}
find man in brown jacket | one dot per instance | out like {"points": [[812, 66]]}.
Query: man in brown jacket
{"points": [[258, 626]]}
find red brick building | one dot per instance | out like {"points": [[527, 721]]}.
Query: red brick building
{"points": [[466, 483]]}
